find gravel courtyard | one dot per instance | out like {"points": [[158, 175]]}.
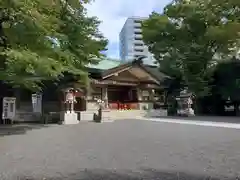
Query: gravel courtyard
{"points": [[128, 149]]}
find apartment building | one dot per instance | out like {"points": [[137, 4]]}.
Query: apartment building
{"points": [[131, 41]]}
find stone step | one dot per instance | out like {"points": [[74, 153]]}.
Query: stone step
{"points": [[136, 114], [118, 114]]}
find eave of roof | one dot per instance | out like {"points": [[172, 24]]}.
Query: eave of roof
{"points": [[108, 66]]}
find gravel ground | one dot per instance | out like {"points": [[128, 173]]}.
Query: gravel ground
{"points": [[125, 150]]}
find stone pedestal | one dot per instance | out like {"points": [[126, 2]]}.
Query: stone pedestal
{"points": [[87, 115], [69, 118], [106, 115]]}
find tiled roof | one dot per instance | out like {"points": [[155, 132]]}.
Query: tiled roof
{"points": [[110, 65], [105, 64]]}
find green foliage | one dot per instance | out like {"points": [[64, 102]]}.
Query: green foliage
{"points": [[227, 80], [190, 37], [42, 39]]}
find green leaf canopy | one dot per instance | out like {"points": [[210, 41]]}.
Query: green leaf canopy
{"points": [[191, 36], [42, 39]]}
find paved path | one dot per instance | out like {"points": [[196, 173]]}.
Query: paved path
{"points": [[124, 150], [221, 122]]}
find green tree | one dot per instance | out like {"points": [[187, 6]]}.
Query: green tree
{"points": [[190, 37], [227, 82], [43, 39]]}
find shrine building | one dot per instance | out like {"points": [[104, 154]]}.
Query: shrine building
{"points": [[131, 86], [128, 86]]}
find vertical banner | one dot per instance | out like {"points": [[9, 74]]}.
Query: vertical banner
{"points": [[37, 103], [9, 108]]}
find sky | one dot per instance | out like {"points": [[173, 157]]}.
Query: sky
{"points": [[113, 14]]}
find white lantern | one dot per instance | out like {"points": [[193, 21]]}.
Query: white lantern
{"points": [[70, 97]]}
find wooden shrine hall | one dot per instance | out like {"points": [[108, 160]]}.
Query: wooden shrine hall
{"points": [[127, 86]]}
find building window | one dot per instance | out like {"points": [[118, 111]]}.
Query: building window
{"points": [[138, 44], [138, 33], [138, 26], [138, 38], [138, 21], [138, 50]]}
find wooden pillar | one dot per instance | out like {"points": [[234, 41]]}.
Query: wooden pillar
{"points": [[139, 94], [151, 94], [88, 94], [151, 97], [165, 97], [17, 94], [105, 96], [139, 97]]}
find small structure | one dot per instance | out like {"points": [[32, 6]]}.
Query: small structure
{"points": [[9, 109], [68, 115], [129, 86], [184, 101], [37, 103]]}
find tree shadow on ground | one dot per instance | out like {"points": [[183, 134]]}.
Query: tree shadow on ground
{"points": [[18, 129], [146, 174]]}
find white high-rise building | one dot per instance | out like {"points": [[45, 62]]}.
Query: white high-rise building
{"points": [[131, 42]]}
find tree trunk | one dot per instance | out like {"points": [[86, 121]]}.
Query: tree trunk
{"points": [[3, 92], [197, 106], [3, 44], [236, 109], [17, 94]]}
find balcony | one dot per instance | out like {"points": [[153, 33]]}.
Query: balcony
{"points": [[137, 25], [138, 48], [138, 42], [138, 37], [138, 31]]}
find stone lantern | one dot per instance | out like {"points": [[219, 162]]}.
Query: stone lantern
{"points": [[184, 102], [68, 115]]}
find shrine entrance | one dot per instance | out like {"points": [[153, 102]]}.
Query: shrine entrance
{"points": [[122, 97], [80, 102], [130, 86]]}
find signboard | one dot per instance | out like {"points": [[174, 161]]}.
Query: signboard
{"points": [[9, 108], [37, 103]]}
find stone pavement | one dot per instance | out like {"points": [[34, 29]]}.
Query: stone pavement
{"points": [[221, 122], [127, 150]]}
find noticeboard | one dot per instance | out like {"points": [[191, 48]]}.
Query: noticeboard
{"points": [[37, 103], [9, 108]]}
